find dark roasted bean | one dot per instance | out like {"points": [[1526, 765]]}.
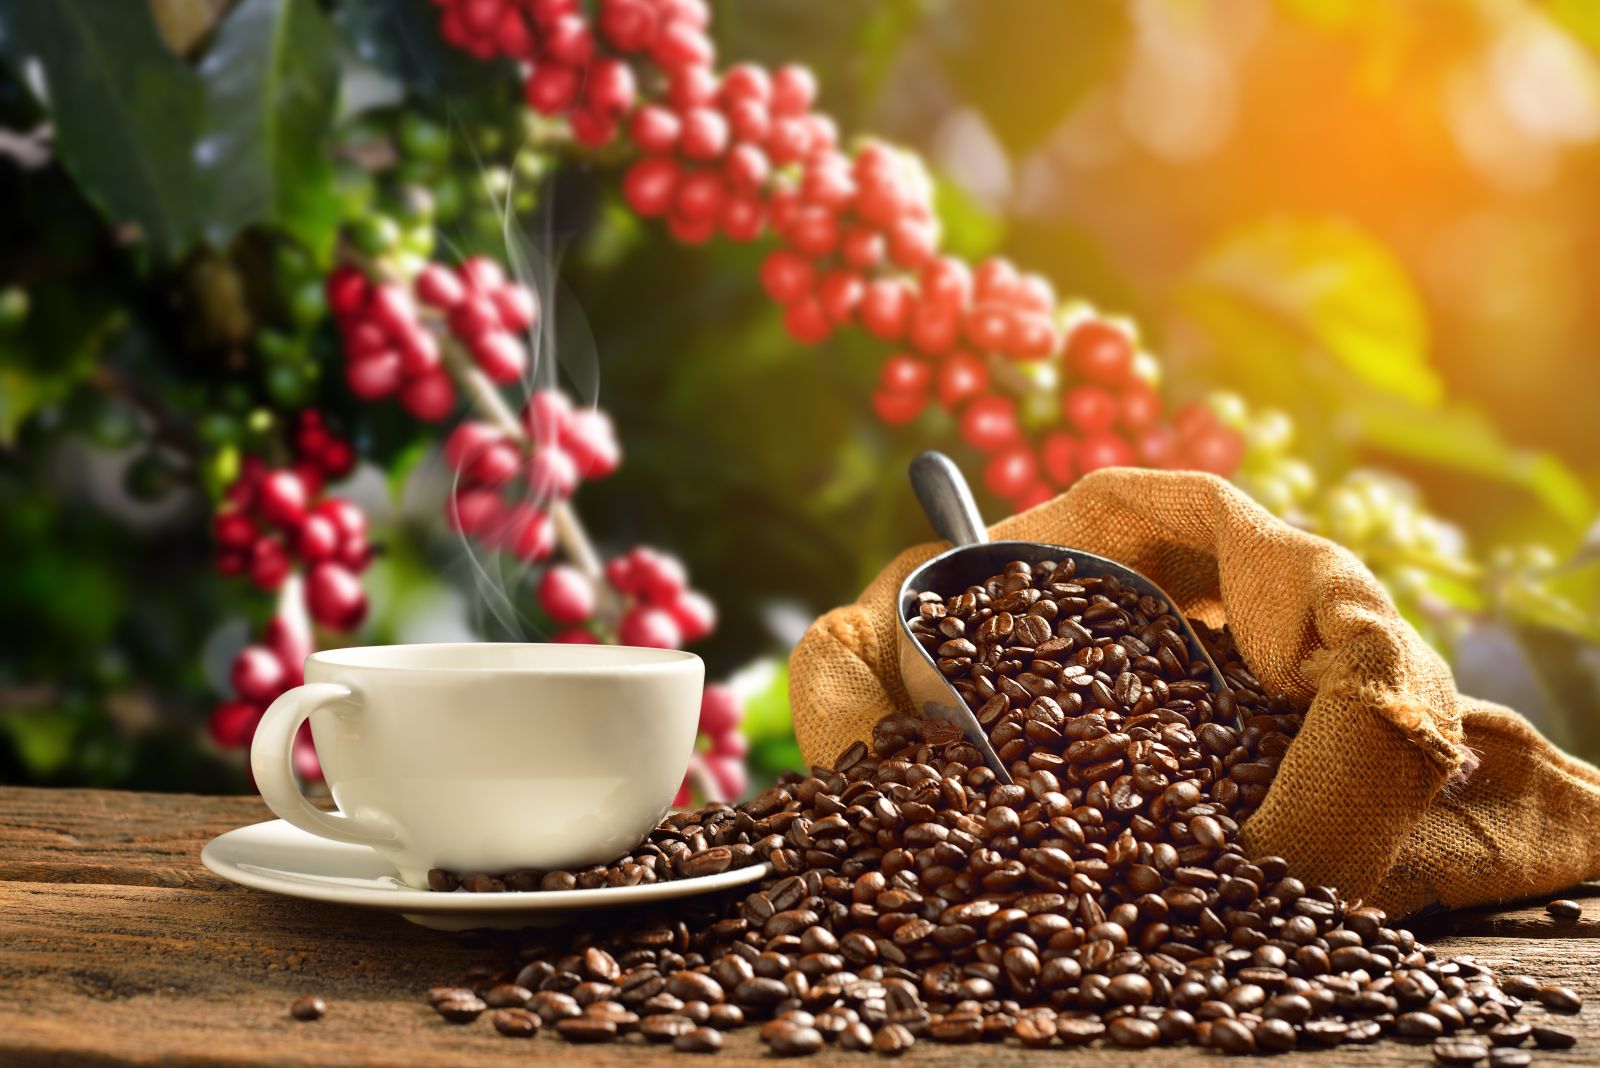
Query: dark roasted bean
{"points": [[1459, 1051], [460, 1010], [587, 1029], [699, 1040], [309, 1007], [516, 1023]]}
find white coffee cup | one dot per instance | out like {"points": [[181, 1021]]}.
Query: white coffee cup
{"points": [[486, 757]]}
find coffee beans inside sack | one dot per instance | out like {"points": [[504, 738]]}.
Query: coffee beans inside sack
{"points": [[1100, 898]]}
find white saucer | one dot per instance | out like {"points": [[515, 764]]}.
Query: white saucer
{"points": [[281, 859]]}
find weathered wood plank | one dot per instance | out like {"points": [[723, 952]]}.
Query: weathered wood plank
{"points": [[111, 836]]}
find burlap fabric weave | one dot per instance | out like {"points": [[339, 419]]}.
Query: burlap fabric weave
{"points": [[1399, 790]]}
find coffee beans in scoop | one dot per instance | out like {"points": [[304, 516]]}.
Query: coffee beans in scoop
{"points": [[1103, 897]]}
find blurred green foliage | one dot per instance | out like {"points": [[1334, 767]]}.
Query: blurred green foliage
{"points": [[1342, 249]]}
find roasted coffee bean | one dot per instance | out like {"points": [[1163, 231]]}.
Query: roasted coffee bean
{"points": [[1559, 998], [788, 1038], [1132, 1032], [1507, 1057], [309, 1007], [892, 1040], [665, 1028], [515, 1023], [1232, 1036], [461, 1010], [507, 996], [1035, 1032], [587, 1029], [1564, 909], [699, 1040], [1460, 1051], [442, 881], [1553, 1038]]}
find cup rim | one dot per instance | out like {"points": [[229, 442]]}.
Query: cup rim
{"points": [[609, 659]]}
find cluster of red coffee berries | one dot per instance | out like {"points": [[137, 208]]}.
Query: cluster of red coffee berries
{"points": [[1105, 415], [661, 611], [739, 153], [711, 147], [506, 481], [389, 350], [260, 673], [485, 312], [721, 759], [272, 521]]}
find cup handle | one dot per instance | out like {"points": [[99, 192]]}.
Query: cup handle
{"points": [[271, 754]]}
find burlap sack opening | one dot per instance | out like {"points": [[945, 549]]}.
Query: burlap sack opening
{"points": [[1399, 790]]}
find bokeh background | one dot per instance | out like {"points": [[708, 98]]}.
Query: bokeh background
{"points": [[1366, 235]]}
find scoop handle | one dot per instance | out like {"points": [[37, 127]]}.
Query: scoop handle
{"points": [[946, 499]]}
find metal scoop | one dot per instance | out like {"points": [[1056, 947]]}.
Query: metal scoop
{"points": [[949, 506]]}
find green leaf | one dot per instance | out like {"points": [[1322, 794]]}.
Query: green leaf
{"points": [[271, 87], [1461, 439], [970, 229], [1334, 288], [125, 109], [43, 739]]}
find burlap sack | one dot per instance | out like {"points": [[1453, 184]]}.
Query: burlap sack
{"points": [[1399, 790]]}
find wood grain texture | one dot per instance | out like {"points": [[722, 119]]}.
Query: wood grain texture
{"points": [[117, 948]]}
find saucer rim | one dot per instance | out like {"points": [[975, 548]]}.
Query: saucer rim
{"points": [[411, 900]]}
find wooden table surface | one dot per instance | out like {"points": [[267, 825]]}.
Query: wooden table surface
{"points": [[117, 947]]}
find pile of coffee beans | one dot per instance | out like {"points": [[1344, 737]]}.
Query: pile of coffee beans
{"points": [[687, 845], [1100, 897]]}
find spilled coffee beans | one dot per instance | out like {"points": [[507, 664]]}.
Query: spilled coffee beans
{"points": [[1102, 897]]}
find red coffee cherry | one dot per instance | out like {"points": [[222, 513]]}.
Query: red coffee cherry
{"points": [[806, 322], [374, 377], [316, 539], [654, 129], [257, 674], [651, 627], [350, 520], [1217, 449], [269, 563], [694, 614], [1103, 450], [1101, 353], [429, 397], [566, 595], [1139, 408], [1011, 471], [233, 723], [1089, 409], [650, 184], [904, 373], [721, 711], [794, 90], [334, 596], [1058, 456], [552, 88], [628, 25], [234, 530], [990, 422], [566, 39], [704, 135], [532, 534], [886, 309], [281, 498], [787, 276], [897, 409], [961, 375]]}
